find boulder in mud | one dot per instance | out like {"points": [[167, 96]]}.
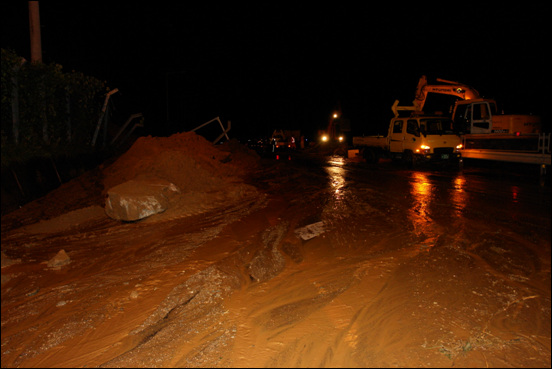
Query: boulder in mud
{"points": [[59, 260], [139, 198]]}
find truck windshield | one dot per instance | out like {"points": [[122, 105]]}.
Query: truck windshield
{"points": [[439, 126]]}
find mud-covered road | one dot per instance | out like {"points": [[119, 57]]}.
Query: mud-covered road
{"points": [[332, 262]]}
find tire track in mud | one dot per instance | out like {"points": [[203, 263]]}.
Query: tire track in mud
{"points": [[317, 298], [95, 274], [278, 333], [188, 328], [437, 306], [307, 301]]}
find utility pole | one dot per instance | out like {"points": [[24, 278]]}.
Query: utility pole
{"points": [[34, 27]]}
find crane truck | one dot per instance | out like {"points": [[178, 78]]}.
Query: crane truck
{"points": [[412, 138], [487, 134], [473, 114]]}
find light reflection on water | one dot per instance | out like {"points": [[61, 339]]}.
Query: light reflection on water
{"points": [[459, 195], [336, 172], [421, 194], [435, 207], [432, 207], [337, 176]]}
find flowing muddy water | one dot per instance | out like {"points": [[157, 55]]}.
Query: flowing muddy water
{"points": [[428, 267], [415, 268]]}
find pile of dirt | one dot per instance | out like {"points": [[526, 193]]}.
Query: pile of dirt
{"points": [[186, 159], [206, 174]]}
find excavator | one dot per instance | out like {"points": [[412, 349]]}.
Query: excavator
{"points": [[486, 133], [457, 89], [474, 114]]}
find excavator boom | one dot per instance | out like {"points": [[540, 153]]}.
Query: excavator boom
{"points": [[460, 90]]}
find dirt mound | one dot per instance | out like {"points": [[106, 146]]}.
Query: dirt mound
{"points": [[206, 174], [186, 159]]}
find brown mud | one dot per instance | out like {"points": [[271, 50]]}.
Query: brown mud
{"points": [[223, 280]]}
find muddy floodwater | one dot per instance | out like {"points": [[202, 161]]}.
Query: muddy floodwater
{"points": [[322, 261]]}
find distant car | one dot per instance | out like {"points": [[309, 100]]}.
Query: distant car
{"points": [[279, 142]]}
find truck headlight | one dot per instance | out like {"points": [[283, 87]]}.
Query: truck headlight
{"points": [[424, 149]]}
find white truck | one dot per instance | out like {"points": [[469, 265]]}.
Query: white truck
{"points": [[413, 138]]}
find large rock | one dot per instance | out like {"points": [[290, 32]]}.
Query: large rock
{"points": [[139, 198], [59, 260]]}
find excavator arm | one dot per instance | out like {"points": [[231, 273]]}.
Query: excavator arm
{"points": [[449, 88]]}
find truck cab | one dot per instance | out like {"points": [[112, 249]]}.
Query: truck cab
{"points": [[424, 138], [413, 137], [480, 116]]}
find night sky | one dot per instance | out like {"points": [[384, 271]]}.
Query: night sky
{"points": [[288, 66]]}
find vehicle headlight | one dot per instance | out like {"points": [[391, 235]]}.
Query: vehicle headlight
{"points": [[423, 149]]}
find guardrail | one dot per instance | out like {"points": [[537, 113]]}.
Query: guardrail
{"points": [[509, 148]]}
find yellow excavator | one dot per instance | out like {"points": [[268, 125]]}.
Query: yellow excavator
{"points": [[486, 134], [457, 89], [475, 114]]}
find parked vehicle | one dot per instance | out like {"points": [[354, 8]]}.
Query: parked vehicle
{"points": [[413, 138]]}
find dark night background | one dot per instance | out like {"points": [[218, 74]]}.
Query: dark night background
{"points": [[279, 65]]}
